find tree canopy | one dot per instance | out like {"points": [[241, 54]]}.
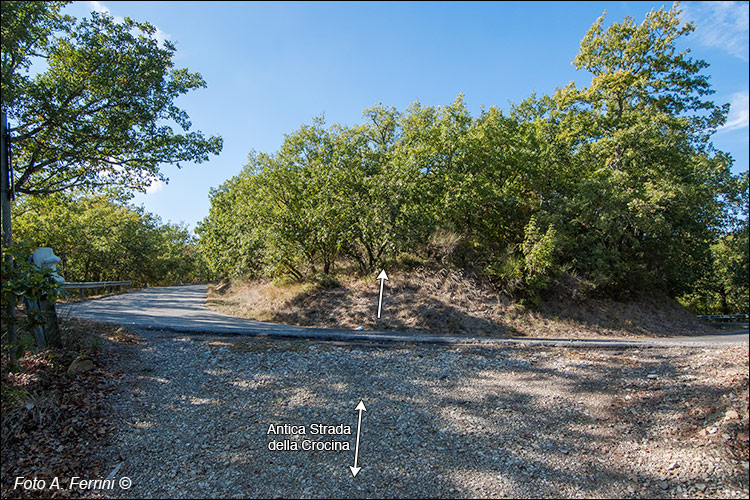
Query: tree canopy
{"points": [[613, 188], [101, 238], [91, 102]]}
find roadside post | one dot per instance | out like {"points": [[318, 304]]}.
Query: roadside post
{"points": [[47, 334]]}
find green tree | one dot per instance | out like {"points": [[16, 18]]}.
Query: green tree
{"points": [[101, 239], [648, 203], [383, 192], [102, 111], [614, 187], [230, 237], [725, 286]]}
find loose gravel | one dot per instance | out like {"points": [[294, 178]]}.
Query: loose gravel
{"points": [[193, 413]]}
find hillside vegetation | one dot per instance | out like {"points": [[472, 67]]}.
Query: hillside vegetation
{"points": [[102, 237], [447, 302], [613, 190]]}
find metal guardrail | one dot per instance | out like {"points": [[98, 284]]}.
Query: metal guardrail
{"points": [[81, 286], [723, 316], [93, 284], [726, 320]]}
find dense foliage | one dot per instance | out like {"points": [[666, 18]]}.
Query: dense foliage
{"points": [[36, 288], [723, 289], [99, 238], [102, 111], [612, 189], [91, 108]]}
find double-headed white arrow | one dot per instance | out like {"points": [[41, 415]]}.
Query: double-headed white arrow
{"points": [[383, 278], [360, 407]]}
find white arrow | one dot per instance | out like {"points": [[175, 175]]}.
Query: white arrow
{"points": [[383, 278], [360, 407]]}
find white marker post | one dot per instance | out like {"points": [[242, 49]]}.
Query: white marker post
{"points": [[383, 278], [360, 407]]}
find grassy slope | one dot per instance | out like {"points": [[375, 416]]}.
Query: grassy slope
{"points": [[447, 302]]}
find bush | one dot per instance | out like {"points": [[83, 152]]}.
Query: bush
{"points": [[22, 280], [326, 281]]}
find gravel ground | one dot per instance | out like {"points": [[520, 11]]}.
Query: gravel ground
{"points": [[193, 413]]}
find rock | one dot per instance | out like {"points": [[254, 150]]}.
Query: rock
{"points": [[673, 465], [701, 487], [663, 485], [731, 414], [652, 376], [80, 365]]}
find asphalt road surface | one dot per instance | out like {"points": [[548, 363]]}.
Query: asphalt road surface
{"points": [[183, 309]]}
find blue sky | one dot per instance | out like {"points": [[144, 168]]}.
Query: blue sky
{"points": [[270, 67]]}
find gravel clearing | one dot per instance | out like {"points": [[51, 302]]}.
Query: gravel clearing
{"points": [[193, 413]]}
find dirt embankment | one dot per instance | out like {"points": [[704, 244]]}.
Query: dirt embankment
{"points": [[447, 302]]}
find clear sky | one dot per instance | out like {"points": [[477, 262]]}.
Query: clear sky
{"points": [[270, 67]]}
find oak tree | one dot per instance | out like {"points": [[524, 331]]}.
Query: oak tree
{"points": [[92, 102]]}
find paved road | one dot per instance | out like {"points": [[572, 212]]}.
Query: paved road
{"points": [[183, 309]]}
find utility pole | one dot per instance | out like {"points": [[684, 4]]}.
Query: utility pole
{"points": [[7, 232]]}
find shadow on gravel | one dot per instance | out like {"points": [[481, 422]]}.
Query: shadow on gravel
{"points": [[519, 422]]}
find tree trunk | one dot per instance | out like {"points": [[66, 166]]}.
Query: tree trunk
{"points": [[10, 312], [723, 295]]}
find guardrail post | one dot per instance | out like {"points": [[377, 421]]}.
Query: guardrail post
{"points": [[51, 327]]}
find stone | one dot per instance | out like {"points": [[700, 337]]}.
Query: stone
{"points": [[45, 258], [731, 414], [80, 365], [663, 485], [701, 487]]}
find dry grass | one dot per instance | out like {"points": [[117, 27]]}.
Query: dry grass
{"points": [[258, 300], [447, 302]]}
